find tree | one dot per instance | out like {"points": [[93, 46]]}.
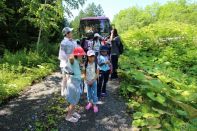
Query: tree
{"points": [[135, 17], [92, 10], [45, 15], [23, 22]]}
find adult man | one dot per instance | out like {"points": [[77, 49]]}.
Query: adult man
{"points": [[65, 53]]}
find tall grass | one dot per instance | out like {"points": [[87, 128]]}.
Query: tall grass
{"points": [[18, 70]]}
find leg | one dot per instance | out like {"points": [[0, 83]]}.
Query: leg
{"points": [[88, 93], [94, 96], [71, 109], [106, 78], [71, 113], [116, 66], [94, 93], [89, 97], [63, 85], [114, 59], [100, 84]]}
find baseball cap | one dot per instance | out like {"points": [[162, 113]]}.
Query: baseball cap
{"points": [[96, 35], [66, 30], [90, 53]]}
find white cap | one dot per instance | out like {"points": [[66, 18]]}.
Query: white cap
{"points": [[96, 35], [66, 30], [90, 53]]}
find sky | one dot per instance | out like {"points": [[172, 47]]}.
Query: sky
{"points": [[112, 7]]}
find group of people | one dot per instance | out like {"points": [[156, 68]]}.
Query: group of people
{"points": [[100, 61]]}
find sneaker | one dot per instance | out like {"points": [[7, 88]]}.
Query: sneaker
{"points": [[72, 119], [103, 94], [95, 109], [89, 105], [77, 115]]}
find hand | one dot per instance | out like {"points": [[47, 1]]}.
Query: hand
{"points": [[90, 83], [83, 76], [71, 58], [112, 32], [107, 62]]}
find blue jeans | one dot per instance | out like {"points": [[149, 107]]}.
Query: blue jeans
{"points": [[92, 93]]}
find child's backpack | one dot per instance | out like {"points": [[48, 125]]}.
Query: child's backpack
{"points": [[86, 64]]}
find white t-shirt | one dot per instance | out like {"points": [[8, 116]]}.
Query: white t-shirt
{"points": [[97, 45], [66, 48], [90, 71], [90, 44]]}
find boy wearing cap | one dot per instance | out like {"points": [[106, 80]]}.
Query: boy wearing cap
{"points": [[65, 53], [105, 68], [91, 76]]}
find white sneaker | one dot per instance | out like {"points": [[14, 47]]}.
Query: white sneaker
{"points": [[72, 119], [77, 115]]}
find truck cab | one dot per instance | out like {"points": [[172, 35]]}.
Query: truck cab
{"points": [[91, 25]]}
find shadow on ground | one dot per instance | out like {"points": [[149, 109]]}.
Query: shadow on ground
{"points": [[21, 113]]}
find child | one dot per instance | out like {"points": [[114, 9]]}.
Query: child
{"points": [[91, 75], [72, 91], [104, 64], [96, 43]]}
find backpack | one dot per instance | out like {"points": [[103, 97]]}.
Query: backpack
{"points": [[86, 64], [94, 43], [121, 47]]}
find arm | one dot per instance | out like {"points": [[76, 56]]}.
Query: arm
{"points": [[112, 35], [101, 62], [97, 74], [62, 53]]}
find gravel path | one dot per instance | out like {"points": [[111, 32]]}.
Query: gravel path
{"points": [[20, 113]]}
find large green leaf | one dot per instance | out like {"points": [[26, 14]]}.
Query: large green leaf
{"points": [[156, 83], [189, 109], [151, 95], [161, 111], [139, 76], [137, 115], [139, 122], [161, 99]]}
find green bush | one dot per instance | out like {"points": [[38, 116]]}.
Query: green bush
{"points": [[158, 75], [19, 70]]}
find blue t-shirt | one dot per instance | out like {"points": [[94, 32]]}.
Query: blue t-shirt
{"points": [[102, 59]]}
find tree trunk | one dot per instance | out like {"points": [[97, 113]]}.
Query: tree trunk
{"points": [[38, 41], [39, 35]]}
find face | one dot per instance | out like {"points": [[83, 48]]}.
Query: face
{"points": [[104, 53], [80, 58], [69, 35], [91, 59]]}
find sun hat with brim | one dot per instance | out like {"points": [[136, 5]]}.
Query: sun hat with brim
{"points": [[66, 30], [90, 53]]}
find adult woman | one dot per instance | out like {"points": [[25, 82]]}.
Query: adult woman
{"points": [[115, 44]]}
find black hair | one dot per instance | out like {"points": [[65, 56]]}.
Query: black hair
{"points": [[67, 33], [115, 32]]}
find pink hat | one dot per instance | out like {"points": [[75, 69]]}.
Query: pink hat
{"points": [[90, 53]]}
